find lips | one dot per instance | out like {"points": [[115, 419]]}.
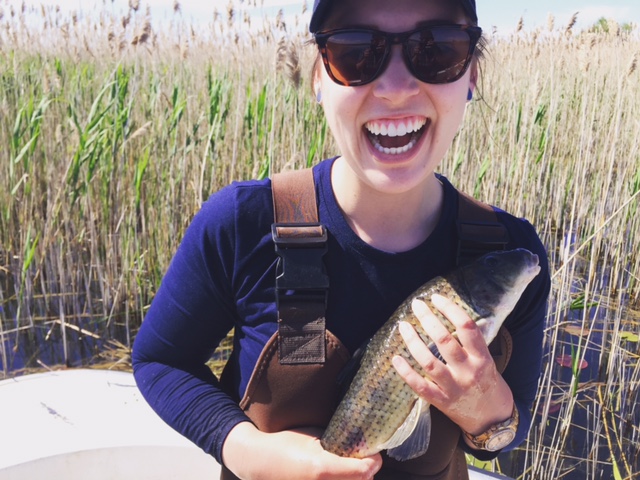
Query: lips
{"points": [[395, 136]]}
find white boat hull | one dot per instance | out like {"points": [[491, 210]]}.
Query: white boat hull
{"points": [[94, 424], [90, 424]]}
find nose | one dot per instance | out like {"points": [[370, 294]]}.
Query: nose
{"points": [[396, 83]]}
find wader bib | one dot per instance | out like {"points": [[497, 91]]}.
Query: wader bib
{"points": [[294, 383]]}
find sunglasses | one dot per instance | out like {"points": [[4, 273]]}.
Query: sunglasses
{"points": [[434, 54]]}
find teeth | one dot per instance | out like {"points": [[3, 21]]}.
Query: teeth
{"points": [[395, 151], [396, 128]]}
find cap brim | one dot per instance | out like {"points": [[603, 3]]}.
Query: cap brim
{"points": [[321, 7]]}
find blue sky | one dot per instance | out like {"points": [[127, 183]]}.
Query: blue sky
{"points": [[503, 14], [506, 14]]}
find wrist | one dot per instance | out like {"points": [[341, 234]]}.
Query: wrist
{"points": [[240, 442], [497, 436], [495, 406]]}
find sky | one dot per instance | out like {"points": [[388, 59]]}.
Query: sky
{"points": [[503, 14]]}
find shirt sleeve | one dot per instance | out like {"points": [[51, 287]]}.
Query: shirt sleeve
{"points": [[191, 313]]}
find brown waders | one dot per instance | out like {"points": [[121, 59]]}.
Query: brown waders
{"points": [[294, 383]]}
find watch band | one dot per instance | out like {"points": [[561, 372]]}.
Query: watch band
{"points": [[497, 436]]}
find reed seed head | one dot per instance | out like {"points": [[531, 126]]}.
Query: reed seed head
{"points": [[572, 23], [633, 65]]}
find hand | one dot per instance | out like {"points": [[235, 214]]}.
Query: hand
{"points": [[293, 454], [466, 386]]}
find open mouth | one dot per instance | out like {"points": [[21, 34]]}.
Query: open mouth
{"points": [[394, 137]]}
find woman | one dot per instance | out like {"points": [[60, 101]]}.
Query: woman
{"points": [[391, 227]]}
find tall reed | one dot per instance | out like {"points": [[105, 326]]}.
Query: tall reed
{"points": [[116, 130]]}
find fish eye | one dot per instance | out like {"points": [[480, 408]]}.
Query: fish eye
{"points": [[491, 260]]}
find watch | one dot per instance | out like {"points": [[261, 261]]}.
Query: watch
{"points": [[497, 436]]}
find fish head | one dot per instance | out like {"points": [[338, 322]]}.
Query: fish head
{"points": [[493, 284]]}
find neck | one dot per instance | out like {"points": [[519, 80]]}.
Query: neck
{"points": [[389, 221]]}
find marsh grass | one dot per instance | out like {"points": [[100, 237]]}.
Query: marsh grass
{"points": [[115, 131]]}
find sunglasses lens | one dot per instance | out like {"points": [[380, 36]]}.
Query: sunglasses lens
{"points": [[439, 55], [355, 58]]}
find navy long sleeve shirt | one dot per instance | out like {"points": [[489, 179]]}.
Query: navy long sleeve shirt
{"points": [[223, 277]]}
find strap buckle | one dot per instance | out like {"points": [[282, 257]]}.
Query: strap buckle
{"points": [[302, 287], [300, 266]]}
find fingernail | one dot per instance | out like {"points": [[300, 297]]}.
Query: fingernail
{"points": [[398, 362], [438, 300], [404, 327], [419, 307]]}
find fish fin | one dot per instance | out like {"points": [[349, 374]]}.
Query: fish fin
{"points": [[405, 430], [417, 442]]}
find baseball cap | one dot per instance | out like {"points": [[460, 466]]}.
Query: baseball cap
{"points": [[321, 8]]}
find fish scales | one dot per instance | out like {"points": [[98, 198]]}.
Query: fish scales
{"points": [[383, 396], [378, 401]]}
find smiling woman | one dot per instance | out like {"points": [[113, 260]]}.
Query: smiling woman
{"points": [[139, 134], [394, 83]]}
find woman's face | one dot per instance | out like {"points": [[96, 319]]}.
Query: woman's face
{"points": [[360, 117]]}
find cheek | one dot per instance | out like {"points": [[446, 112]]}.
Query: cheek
{"points": [[340, 105], [449, 122], [451, 104]]}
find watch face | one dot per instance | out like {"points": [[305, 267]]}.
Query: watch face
{"points": [[500, 440]]}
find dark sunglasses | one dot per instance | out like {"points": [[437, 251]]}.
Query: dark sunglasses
{"points": [[433, 54]]}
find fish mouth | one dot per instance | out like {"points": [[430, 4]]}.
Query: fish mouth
{"points": [[396, 136], [532, 263]]}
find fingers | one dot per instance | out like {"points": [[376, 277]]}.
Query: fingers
{"points": [[452, 361], [464, 384], [468, 339], [290, 455], [426, 358], [445, 343], [423, 386]]}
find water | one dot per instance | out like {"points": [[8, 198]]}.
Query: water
{"points": [[571, 437], [55, 324], [43, 345], [576, 432]]}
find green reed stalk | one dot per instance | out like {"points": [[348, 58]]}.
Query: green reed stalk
{"points": [[115, 139]]}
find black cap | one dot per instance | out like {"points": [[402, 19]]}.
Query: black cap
{"points": [[321, 7]]}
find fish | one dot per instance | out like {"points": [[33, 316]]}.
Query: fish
{"points": [[379, 411]]}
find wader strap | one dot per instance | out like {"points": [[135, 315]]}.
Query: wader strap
{"points": [[479, 231], [302, 284]]}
